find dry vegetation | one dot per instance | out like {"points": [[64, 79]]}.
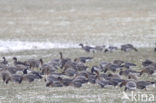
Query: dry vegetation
{"points": [[37, 92], [88, 21]]}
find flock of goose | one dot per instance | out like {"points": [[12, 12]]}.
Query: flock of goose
{"points": [[103, 48], [67, 72]]}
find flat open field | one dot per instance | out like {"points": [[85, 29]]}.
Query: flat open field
{"points": [[87, 21], [43, 28], [37, 92]]}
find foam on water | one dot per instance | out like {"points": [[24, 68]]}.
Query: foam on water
{"points": [[11, 46]]}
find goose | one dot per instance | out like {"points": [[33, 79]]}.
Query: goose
{"points": [[4, 62], [118, 62], [54, 81], [20, 65], [17, 78], [18, 62], [32, 63], [114, 76], [128, 71], [114, 79], [28, 77], [3, 66], [74, 65], [5, 75], [100, 48], [144, 84], [112, 67], [110, 49], [46, 68], [126, 47], [149, 70], [79, 80], [63, 60], [147, 62], [87, 48], [55, 63], [91, 78], [103, 65], [96, 71], [76, 84], [13, 69], [96, 68], [83, 59], [66, 81], [81, 67], [69, 72], [132, 76], [54, 84], [76, 81], [128, 65], [101, 81], [37, 75], [132, 85]]}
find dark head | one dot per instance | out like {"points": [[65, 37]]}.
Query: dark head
{"points": [[92, 70], [106, 50], [121, 72], [41, 61], [123, 83], [125, 89], [76, 60], [151, 71], [7, 81], [49, 83], [61, 55], [21, 79], [97, 73], [147, 62], [59, 78], [129, 77], [110, 75], [14, 58], [39, 75], [25, 71], [4, 58], [85, 74], [81, 44], [105, 70], [152, 82], [143, 71], [135, 49]]}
